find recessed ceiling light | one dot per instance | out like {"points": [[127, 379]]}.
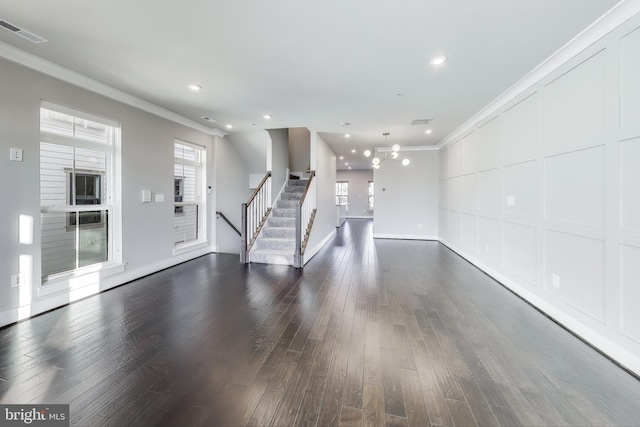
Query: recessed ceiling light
{"points": [[346, 135], [267, 117], [228, 126], [346, 163], [353, 151], [209, 119], [345, 124], [349, 167], [428, 131], [195, 88], [367, 153], [438, 60], [341, 157]]}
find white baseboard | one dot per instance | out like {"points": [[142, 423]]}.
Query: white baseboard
{"points": [[404, 236], [616, 352], [72, 293], [310, 253]]}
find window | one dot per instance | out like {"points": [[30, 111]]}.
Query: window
{"points": [[370, 195], [188, 184], [76, 196], [342, 193]]}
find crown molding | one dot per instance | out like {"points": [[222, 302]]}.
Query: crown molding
{"points": [[404, 148], [29, 60], [608, 22]]}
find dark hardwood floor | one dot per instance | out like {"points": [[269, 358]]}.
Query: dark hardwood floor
{"points": [[370, 333]]}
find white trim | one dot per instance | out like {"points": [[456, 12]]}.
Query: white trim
{"points": [[404, 148], [359, 217], [189, 247], [26, 59], [615, 17], [608, 347], [310, 254], [75, 280], [404, 236]]}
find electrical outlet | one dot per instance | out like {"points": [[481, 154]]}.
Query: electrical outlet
{"points": [[511, 200], [555, 281], [17, 280]]}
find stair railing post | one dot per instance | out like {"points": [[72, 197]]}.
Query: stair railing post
{"points": [[243, 234], [297, 255]]}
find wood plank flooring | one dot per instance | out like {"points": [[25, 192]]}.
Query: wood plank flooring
{"points": [[371, 333]]}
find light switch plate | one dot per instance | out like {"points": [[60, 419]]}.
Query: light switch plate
{"points": [[146, 196], [159, 198], [15, 154]]}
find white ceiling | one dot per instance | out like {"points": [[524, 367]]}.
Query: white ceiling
{"points": [[311, 64]]}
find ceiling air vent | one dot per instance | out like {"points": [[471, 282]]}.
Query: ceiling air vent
{"points": [[21, 32], [421, 122]]}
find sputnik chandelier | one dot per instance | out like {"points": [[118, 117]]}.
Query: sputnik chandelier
{"points": [[393, 154]]}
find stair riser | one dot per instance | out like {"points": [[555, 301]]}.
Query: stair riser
{"points": [[294, 189], [284, 213], [280, 245], [286, 204], [291, 196], [271, 259], [297, 183], [279, 232], [281, 222]]}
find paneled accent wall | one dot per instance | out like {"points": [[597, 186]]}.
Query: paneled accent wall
{"points": [[545, 194]]}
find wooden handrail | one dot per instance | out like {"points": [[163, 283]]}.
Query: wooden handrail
{"points": [[306, 188], [255, 193]]}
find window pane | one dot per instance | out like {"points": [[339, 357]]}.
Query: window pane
{"points": [[90, 131], [186, 224], [186, 152], [187, 174], [58, 244], [93, 241], [56, 164], [54, 122]]}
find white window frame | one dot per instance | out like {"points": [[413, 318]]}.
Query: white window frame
{"points": [[201, 179], [82, 276], [340, 194]]}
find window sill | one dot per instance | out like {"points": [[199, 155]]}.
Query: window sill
{"points": [[184, 248], [72, 281]]}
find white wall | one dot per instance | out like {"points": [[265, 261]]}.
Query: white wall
{"points": [[252, 148], [232, 189], [300, 151], [406, 197], [543, 194], [279, 159], [358, 191], [147, 163], [323, 161]]}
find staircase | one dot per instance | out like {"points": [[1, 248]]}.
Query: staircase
{"points": [[277, 240]]}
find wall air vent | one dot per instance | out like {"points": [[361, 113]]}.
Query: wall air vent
{"points": [[22, 32], [421, 122]]}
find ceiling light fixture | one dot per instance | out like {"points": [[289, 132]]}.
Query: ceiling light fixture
{"points": [[209, 119], [229, 126], [438, 60], [346, 135], [428, 131], [194, 87], [353, 151], [393, 154], [345, 124], [267, 117], [341, 157]]}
